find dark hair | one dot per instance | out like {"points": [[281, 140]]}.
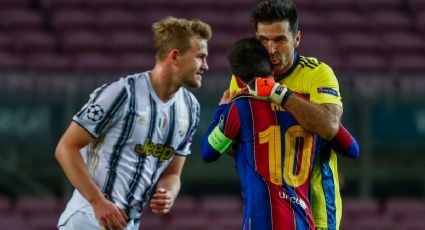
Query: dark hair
{"points": [[248, 59], [275, 11]]}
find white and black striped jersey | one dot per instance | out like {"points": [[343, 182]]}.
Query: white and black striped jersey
{"points": [[137, 136]]}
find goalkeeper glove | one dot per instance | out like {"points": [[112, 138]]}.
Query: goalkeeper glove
{"points": [[267, 89]]}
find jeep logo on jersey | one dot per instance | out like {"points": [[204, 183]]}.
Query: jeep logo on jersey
{"points": [[95, 113], [157, 150]]}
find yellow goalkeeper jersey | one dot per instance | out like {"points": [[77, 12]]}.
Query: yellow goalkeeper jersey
{"points": [[316, 81]]}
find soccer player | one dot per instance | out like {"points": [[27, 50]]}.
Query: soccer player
{"points": [[274, 154], [128, 144], [276, 23]]}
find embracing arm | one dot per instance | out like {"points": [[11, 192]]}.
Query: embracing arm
{"points": [[168, 186], [68, 155], [321, 119]]}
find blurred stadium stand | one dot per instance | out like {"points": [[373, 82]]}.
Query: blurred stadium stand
{"points": [[53, 53], [71, 26]]}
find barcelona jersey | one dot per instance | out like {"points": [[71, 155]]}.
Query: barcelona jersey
{"points": [[274, 158], [316, 80]]}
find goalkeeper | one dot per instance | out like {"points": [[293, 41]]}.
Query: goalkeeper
{"points": [[276, 23]]}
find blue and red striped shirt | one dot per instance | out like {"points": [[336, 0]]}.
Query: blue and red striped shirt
{"points": [[274, 157]]}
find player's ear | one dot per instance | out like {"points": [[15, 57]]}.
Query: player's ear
{"points": [[173, 54], [297, 39]]}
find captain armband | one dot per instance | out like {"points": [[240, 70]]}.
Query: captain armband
{"points": [[219, 141]]}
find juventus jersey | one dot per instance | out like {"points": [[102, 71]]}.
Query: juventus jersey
{"points": [[137, 136]]}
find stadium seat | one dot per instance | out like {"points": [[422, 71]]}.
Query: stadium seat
{"points": [[368, 5], [4, 205], [151, 222], [230, 222], [185, 205], [221, 41], [389, 21], [218, 63], [194, 222], [366, 62], [403, 43], [20, 19], [111, 19], [355, 209], [46, 61], [408, 63], [352, 42], [11, 61], [147, 17], [84, 41], [153, 5], [417, 224], [13, 221], [221, 206], [403, 208], [320, 46], [346, 21], [29, 41], [73, 19], [337, 5], [6, 43], [122, 41], [135, 62], [109, 4], [417, 5], [373, 222], [219, 22], [95, 62], [47, 222], [420, 22], [4, 4], [53, 5], [308, 4], [35, 206], [312, 21]]}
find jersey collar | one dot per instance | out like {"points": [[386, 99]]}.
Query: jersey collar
{"points": [[290, 70]]}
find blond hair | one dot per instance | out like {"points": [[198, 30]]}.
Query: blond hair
{"points": [[175, 33]]}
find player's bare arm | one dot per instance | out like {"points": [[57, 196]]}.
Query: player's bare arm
{"points": [[321, 119], [168, 186], [68, 154]]}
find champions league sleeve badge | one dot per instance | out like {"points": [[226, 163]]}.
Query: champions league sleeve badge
{"points": [[95, 113]]}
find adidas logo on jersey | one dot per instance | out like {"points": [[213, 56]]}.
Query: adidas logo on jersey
{"points": [[157, 150]]}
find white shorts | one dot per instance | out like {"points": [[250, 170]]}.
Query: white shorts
{"points": [[87, 221], [79, 215], [80, 220]]}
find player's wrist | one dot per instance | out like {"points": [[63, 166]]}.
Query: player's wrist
{"points": [[279, 94]]}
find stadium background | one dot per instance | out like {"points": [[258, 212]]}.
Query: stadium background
{"points": [[53, 53]]}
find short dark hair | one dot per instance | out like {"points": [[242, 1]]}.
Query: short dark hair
{"points": [[270, 11], [248, 59]]}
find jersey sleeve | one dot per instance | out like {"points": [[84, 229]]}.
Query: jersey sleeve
{"points": [[104, 108], [324, 86], [195, 111], [221, 133], [345, 144]]}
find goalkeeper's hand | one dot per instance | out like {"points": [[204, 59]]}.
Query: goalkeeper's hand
{"points": [[267, 89]]}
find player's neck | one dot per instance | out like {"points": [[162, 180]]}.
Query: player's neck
{"points": [[162, 82]]}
